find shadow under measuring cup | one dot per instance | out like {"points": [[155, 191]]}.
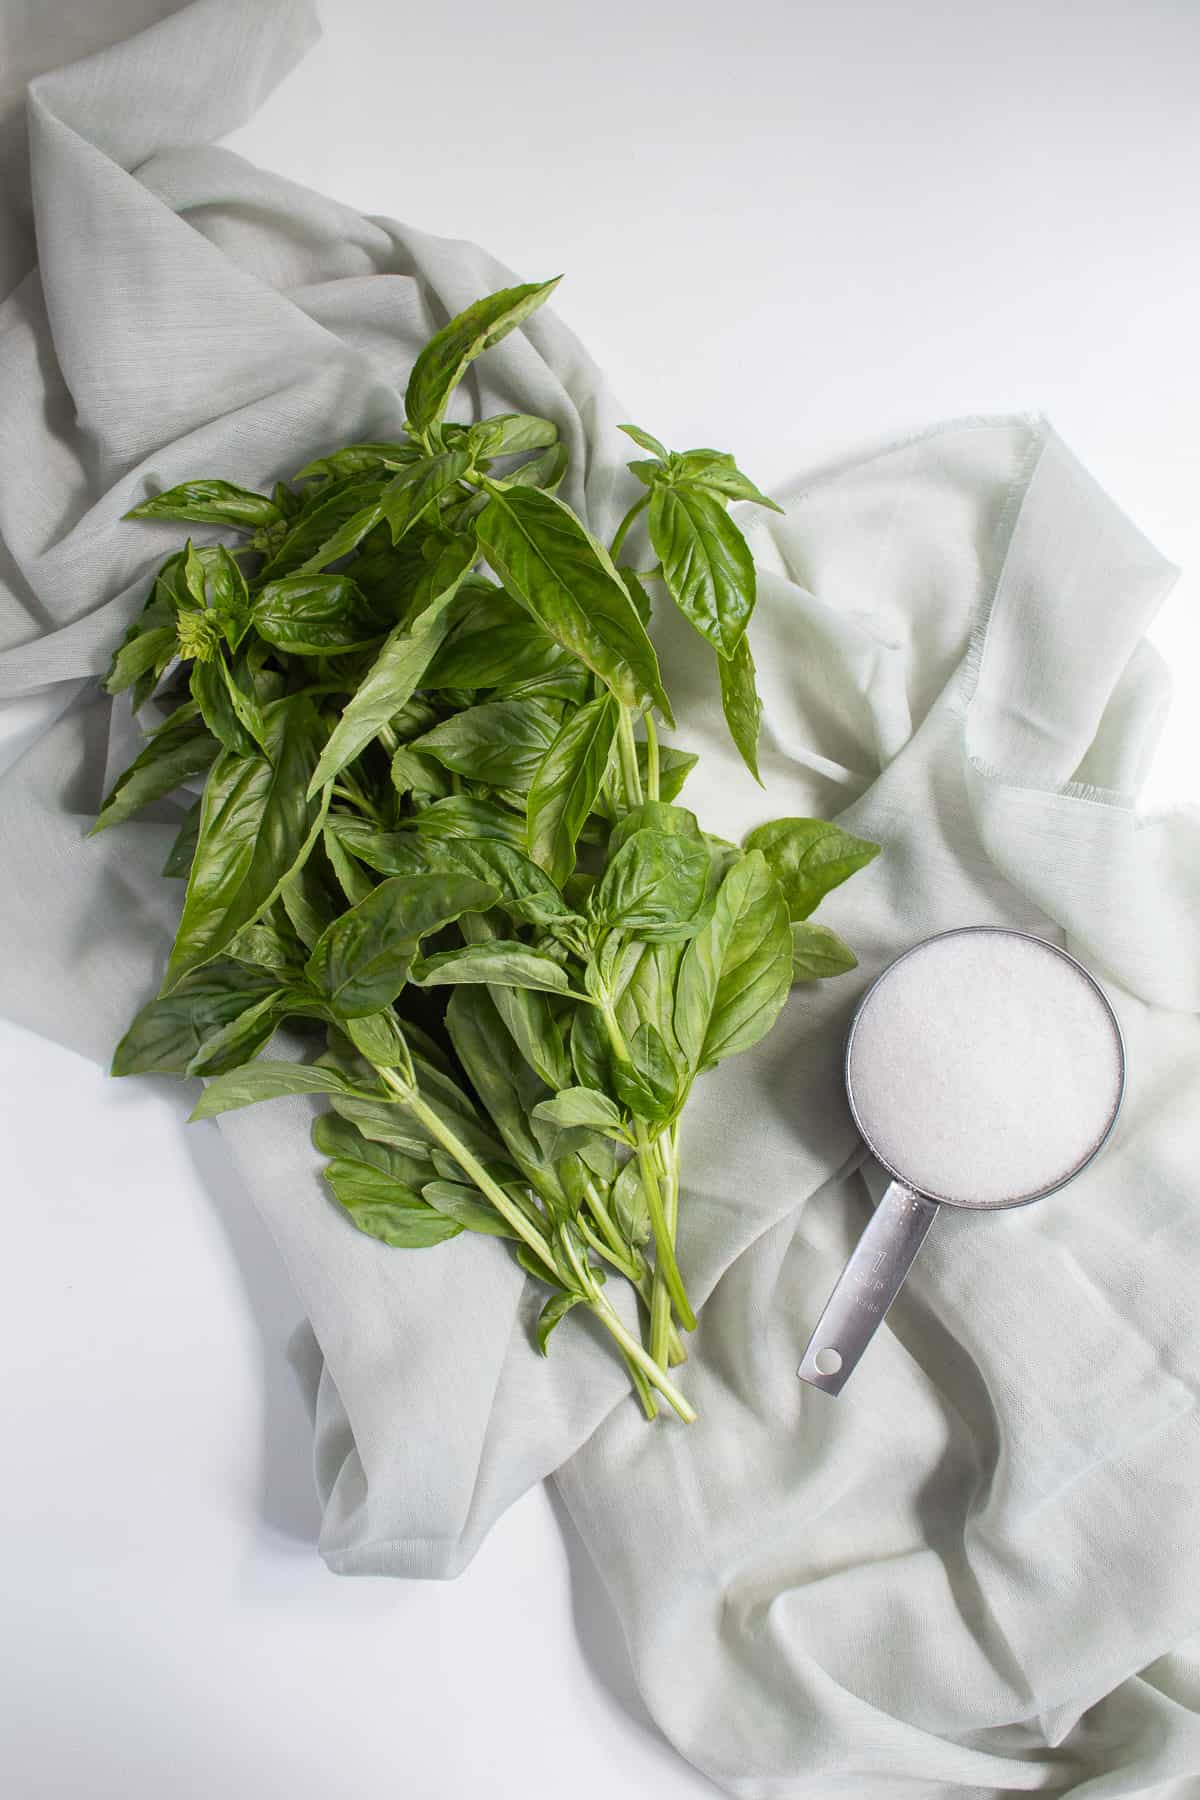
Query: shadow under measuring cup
{"points": [[984, 1069]]}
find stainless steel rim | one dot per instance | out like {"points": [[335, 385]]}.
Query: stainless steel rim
{"points": [[1025, 1199]]}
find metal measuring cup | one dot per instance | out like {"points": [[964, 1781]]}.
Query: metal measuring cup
{"points": [[884, 1254]]}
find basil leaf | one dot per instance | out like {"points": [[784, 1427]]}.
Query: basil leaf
{"points": [[357, 459], [336, 1137], [266, 1081], [441, 365], [391, 680], [319, 524], [716, 470], [674, 767], [377, 1037], [144, 652], [818, 953], [566, 784], [256, 827], [408, 495], [313, 615], [566, 579], [658, 815], [306, 900], [501, 962], [648, 1084], [556, 1308], [179, 856], [460, 815], [168, 1031], [467, 1207], [545, 470], [502, 742], [526, 1015], [627, 1203], [362, 960], [387, 852], [495, 642], [741, 704], [808, 858], [654, 886], [387, 1209], [644, 440], [591, 1057], [210, 503], [706, 562], [268, 945], [352, 880], [507, 1085], [213, 691], [735, 974], [582, 1106], [242, 1038], [524, 891], [508, 433], [177, 750]]}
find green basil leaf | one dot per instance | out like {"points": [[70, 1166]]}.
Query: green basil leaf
{"points": [[563, 679], [716, 469], [567, 580], [377, 1037], [501, 742], [627, 1204], [266, 1081], [582, 1106], [144, 652], [808, 858], [179, 856], [524, 891], [467, 1207], [495, 642], [242, 1038], [461, 815], [706, 562], [506, 1084], [213, 691], [674, 767], [657, 815], [357, 459], [307, 902], [818, 953], [591, 1056], [410, 492], [256, 827], [420, 776], [210, 503], [741, 704], [320, 523], [336, 1137], [352, 880], [392, 679], [441, 365], [736, 973], [508, 433], [270, 944], [649, 992], [387, 852], [177, 750], [654, 886], [168, 1031], [545, 470], [647, 1085], [556, 1308], [362, 960], [314, 615], [387, 1209], [566, 785], [644, 440], [526, 1015], [501, 962]]}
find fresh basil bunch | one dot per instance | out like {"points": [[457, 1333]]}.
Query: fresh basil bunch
{"points": [[424, 782]]}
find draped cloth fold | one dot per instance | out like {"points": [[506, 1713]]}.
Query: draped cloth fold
{"points": [[976, 1573]]}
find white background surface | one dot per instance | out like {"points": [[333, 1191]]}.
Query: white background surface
{"points": [[789, 230]]}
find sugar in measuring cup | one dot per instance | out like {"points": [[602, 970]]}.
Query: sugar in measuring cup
{"points": [[984, 1069]]}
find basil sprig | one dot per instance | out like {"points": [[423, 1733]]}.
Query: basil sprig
{"points": [[436, 832]]}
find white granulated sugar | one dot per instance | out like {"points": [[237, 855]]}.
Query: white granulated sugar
{"points": [[984, 1067]]}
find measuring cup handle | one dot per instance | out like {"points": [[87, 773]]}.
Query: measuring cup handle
{"points": [[866, 1287]]}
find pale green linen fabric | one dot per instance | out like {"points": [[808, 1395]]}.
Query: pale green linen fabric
{"points": [[978, 1573]]}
